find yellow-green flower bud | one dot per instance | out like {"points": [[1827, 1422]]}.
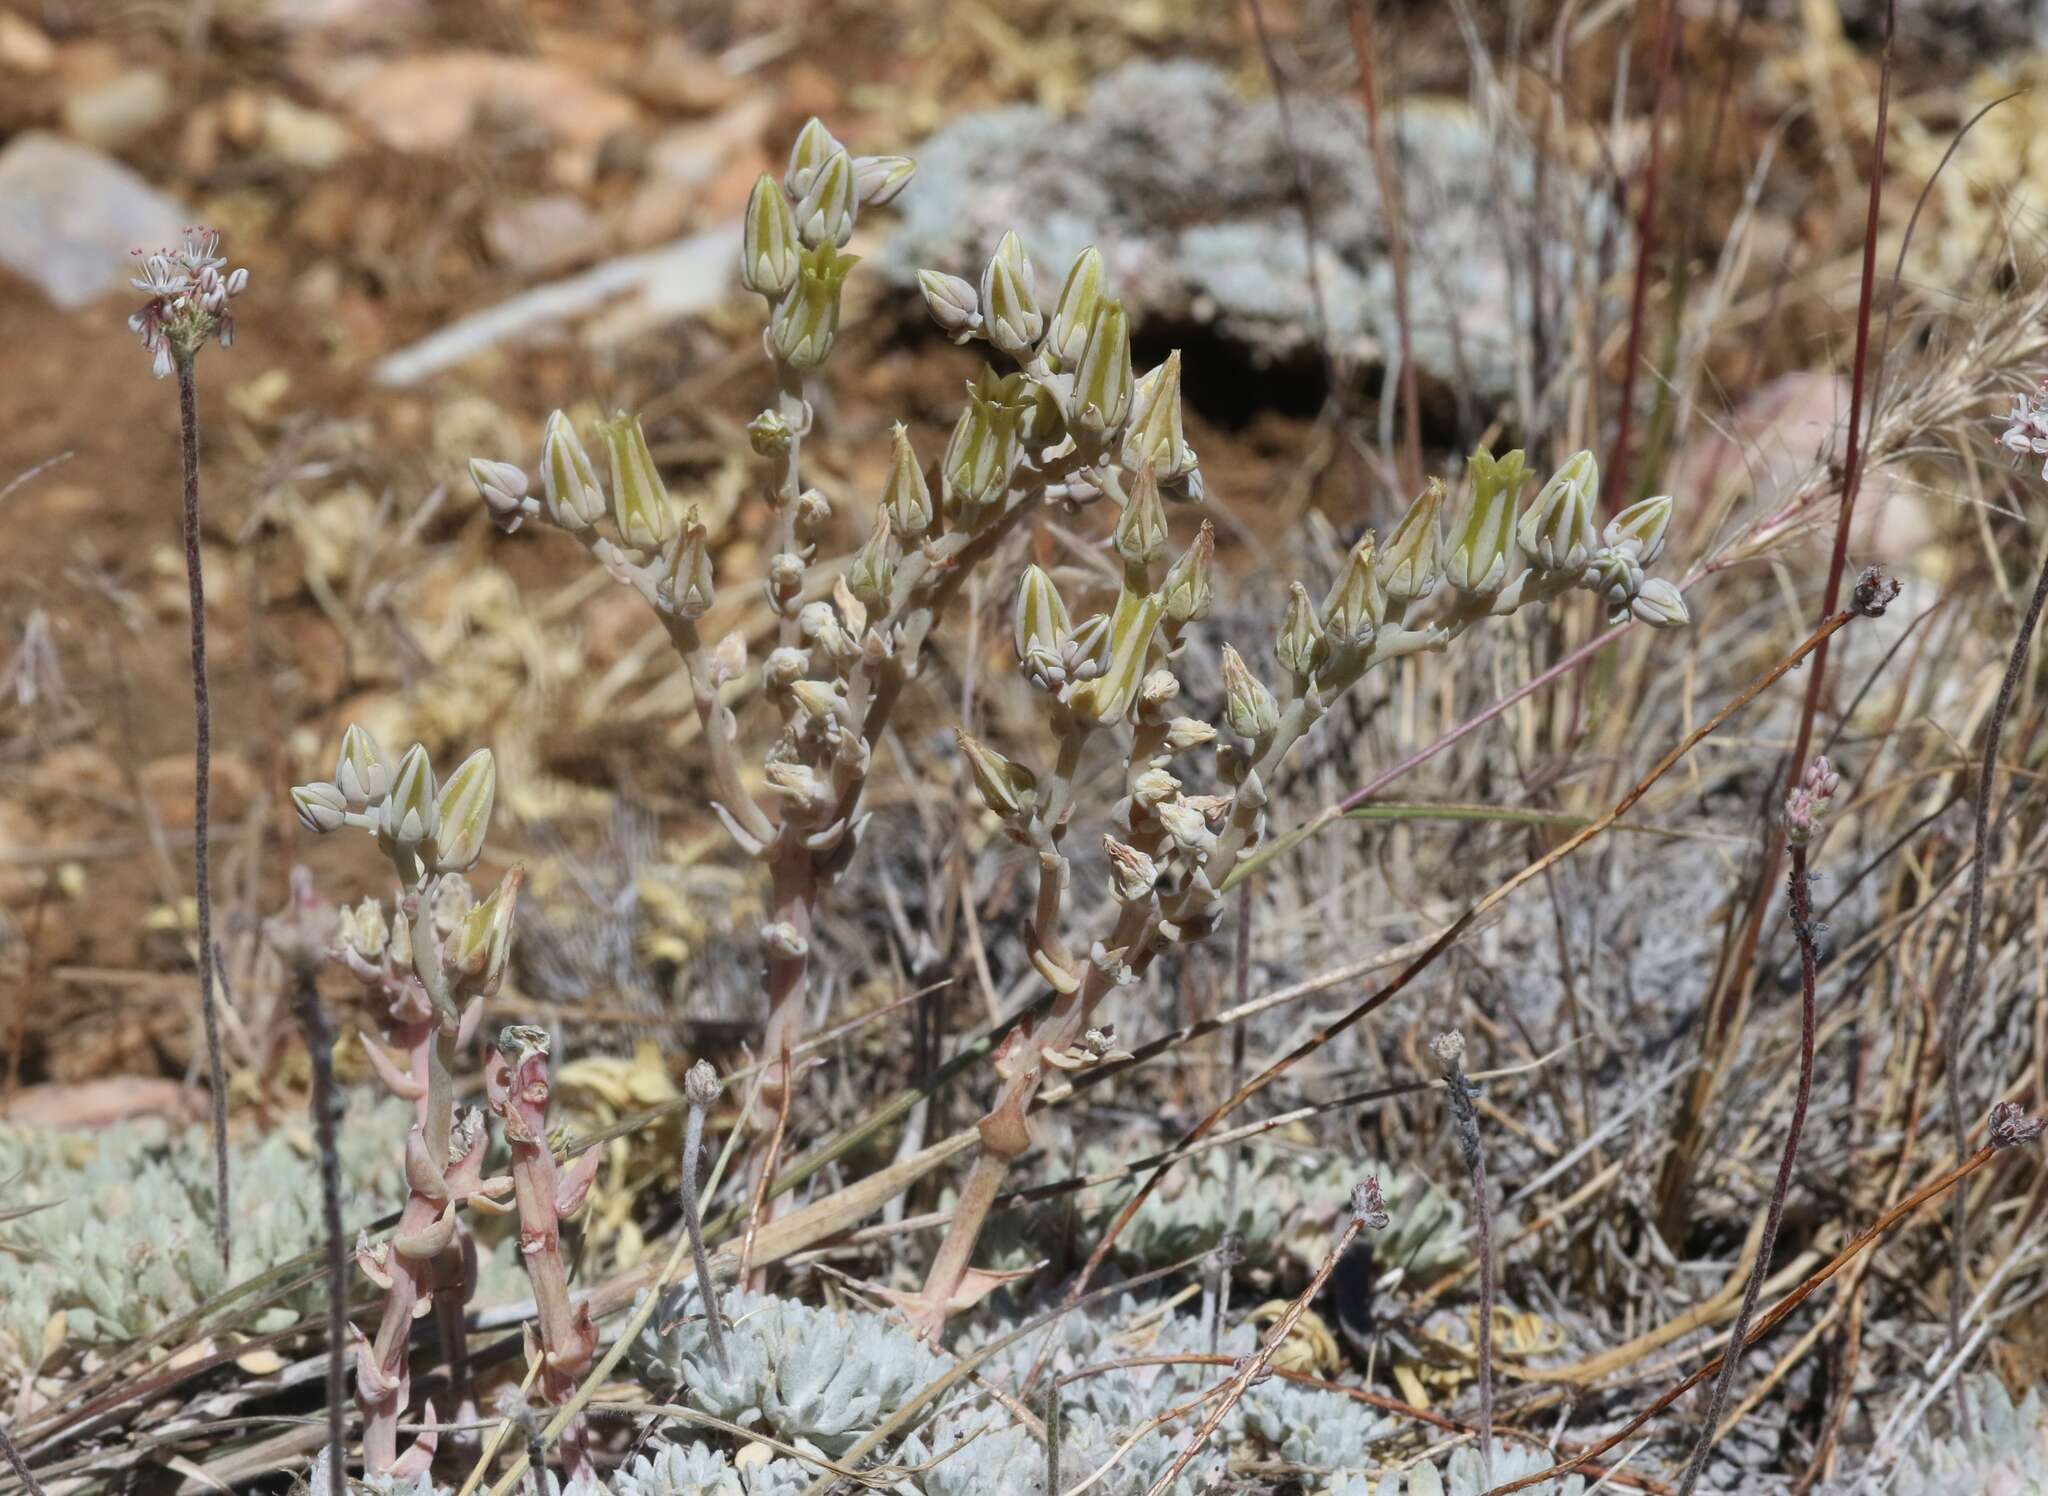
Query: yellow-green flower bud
{"points": [[1186, 587], [1101, 396], [1356, 606], [1109, 695], [639, 498], [769, 434], [1073, 314], [826, 210], [1481, 549], [1639, 529], [1660, 605], [805, 321], [1301, 646], [1009, 298], [320, 806], [1557, 530], [361, 773], [1155, 432], [575, 498], [1039, 624], [906, 497], [1249, 709], [814, 146], [1410, 564], [878, 179], [872, 571], [687, 587], [464, 811], [478, 950], [410, 814], [982, 454], [769, 257], [1009, 789], [1141, 530], [952, 303]]}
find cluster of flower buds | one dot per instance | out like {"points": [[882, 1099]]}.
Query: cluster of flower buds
{"points": [[189, 289], [1074, 407], [795, 232], [422, 827], [1496, 561], [2026, 428], [1808, 803]]}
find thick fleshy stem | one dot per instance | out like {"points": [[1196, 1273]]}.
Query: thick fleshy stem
{"points": [[517, 1084], [202, 755], [1450, 1054], [702, 1088]]}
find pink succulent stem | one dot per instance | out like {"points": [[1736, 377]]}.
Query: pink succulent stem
{"points": [[517, 1084]]}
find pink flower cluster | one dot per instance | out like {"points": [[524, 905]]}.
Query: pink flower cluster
{"points": [[189, 289], [2026, 432]]}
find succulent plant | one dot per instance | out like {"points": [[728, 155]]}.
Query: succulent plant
{"points": [[115, 1235], [696, 1469], [2004, 1452]]}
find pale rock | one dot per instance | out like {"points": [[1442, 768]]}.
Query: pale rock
{"points": [[307, 138], [69, 216], [113, 113], [537, 235], [23, 48], [431, 102]]}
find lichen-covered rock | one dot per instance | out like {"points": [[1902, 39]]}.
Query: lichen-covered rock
{"points": [[1188, 189]]}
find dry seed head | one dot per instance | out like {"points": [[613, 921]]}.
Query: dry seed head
{"points": [[701, 1086]]}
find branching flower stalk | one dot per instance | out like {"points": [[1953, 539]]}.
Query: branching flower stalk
{"points": [[1071, 424], [433, 962], [1804, 809], [517, 1084], [1449, 1049], [189, 289]]}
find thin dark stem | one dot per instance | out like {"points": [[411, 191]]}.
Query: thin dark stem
{"points": [[326, 1126], [202, 714], [1397, 241], [1466, 1111], [1646, 245], [1959, 1006], [35, 1487], [1800, 889], [1054, 1432]]}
